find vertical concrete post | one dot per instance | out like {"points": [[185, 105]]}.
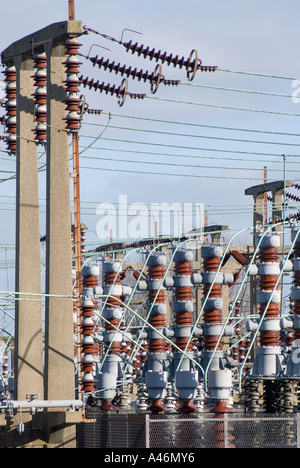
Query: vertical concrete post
{"points": [[28, 319], [59, 371]]}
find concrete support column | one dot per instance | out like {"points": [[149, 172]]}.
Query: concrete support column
{"points": [[59, 372], [28, 319]]}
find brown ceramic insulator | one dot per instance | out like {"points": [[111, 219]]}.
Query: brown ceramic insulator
{"points": [[127, 71], [183, 269], [112, 325], [73, 102], [87, 311], [269, 338], [113, 302], [88, 348], [210, 343], [72, 83], [87, 329], [157, 346], [216, 290], [271, 312], [107, 88], [107, 406], [40, 96], [192, 64], [157, 321], [11, 90], [212, 316], [11, 108], [296, 334], [160, 299], [269, 255], [72, 46], [90, 281], [182, 342], [183, 294], [87, 367], [268, 282], [112, 278], [156, 272], [156, 406], [115, 347], [185, 319], [10, 73], [187, 407], [40, 60], [211, 264]]}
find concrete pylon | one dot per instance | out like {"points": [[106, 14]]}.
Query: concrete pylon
{"points": [[28, 324], [56, 379], [59, 353]]}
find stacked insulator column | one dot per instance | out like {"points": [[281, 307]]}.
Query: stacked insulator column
{"points": [[112, 337], [156, 375], [72, 82], [88, 307], [40, 97], [268, 361], [219, 379], [212, 327], [11, 108], [186, 377]]}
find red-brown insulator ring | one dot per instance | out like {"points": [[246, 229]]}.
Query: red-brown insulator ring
{"points": [[112, 278], [210, 343], [182, 342], [269, 255], [157, 346], [112, 325], [87, 348], [183, 294], [183, 269], [216, 290], [269, 338], [185, 319], [157, 321], [272, 310], [268, 282], [87, 329], [211, 264], [213, 316], [156, 272], [90, 281], [113, 302], [160, 296], [115, 347]]}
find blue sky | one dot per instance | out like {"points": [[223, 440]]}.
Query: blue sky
{"points": [[258, 37]]}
